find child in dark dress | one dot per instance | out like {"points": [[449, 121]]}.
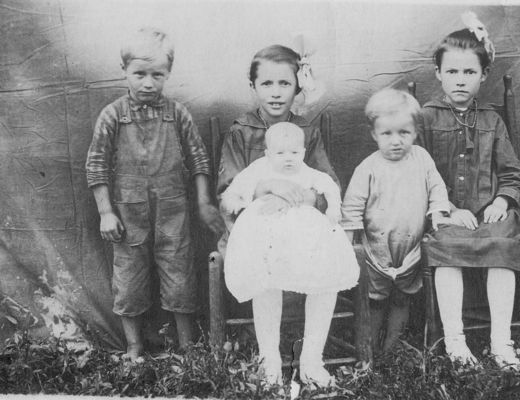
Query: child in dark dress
{"points": [[471, 149], [276, 77]]}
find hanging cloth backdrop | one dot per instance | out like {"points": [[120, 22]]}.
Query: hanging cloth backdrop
{"points": [[59, 65]]}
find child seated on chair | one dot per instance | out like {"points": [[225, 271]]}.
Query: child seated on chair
{"points": [[390, 196], [296, 248], [471, 148], [277, 75], [136, 169]]}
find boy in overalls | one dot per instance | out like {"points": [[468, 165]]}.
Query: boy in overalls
{"points": [[144, 151]]}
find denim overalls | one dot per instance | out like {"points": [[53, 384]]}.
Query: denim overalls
{"points": [[150, 196]]}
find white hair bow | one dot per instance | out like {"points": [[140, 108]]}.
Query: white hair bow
{"points": [[311, 90], [470, 19]]}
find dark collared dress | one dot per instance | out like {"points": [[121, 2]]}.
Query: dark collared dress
{"points": [[476, 160]]}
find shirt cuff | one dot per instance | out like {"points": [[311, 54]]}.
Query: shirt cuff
{"points": [[444, 210], [351, 226], [200, 166], [95, 179], [203, 171], [512, 195]]}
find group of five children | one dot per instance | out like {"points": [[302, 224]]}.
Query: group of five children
{"points": [[449, 167]]}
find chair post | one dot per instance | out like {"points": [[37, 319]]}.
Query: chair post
{"points": [[432, 332], [217, 323], [326, 129], [215, 140], [510, 113], [362, 311]]}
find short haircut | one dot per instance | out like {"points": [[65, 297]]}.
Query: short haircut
{"points": [[278, 54], [284, 130], [146, 44], [463, 40], [390, 101]]}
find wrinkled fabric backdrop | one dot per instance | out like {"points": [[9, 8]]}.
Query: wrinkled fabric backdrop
{"points": [[59, 65]]}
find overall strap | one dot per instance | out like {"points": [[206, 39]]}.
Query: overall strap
{"points": [[170, 116], [123, 110]]}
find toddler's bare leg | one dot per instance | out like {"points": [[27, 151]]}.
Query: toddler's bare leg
{"points": [[397, 318], [184, 323], [132, 329], [450, 290], [267, 314], [377, 316], [501, 296], [318, 315]]}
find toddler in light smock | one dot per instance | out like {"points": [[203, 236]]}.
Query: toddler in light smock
{"points": [[287, 248], [389, 197]]}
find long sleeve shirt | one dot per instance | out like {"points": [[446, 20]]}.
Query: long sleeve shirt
{"points": [[477, 163], [245, 142], [102, 154], [390, 200]]}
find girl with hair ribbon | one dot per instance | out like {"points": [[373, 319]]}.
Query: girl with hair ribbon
{"points": [[276, 75], [471, 149]]}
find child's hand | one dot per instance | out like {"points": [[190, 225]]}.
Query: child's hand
{"points": [[232, 204], [464, 218], [438, 218], [496, 211], [289, 191], [111, 227], [309, 197], [334, 215], [273, 204], [211, 217]]}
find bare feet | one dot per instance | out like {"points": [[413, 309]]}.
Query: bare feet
{"points": [[504, 355], [132, 329], [271, 372], [317, 374], [458, 351], [134, 354]]}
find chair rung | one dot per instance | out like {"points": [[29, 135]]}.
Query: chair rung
{"points": [[245, 321], [341, 343], [484, 326], [345, 301], [331, 361]]}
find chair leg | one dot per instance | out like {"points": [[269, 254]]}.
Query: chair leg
{"points": [[432, 332], [362, 311], [217, 323]]}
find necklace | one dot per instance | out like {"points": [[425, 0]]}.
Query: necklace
{"points": [[266, 125], [465, 122]]}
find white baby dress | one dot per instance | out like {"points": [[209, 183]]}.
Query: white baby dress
{"points": [[298, 250]]}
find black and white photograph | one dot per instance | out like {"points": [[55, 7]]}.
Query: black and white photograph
{"points": [[260, 199]]}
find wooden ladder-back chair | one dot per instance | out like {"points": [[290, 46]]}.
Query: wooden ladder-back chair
{"points": [[507, 111], [218, 320]]}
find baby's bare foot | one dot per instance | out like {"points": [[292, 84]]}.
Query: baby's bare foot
{"points": [[134, 354]]}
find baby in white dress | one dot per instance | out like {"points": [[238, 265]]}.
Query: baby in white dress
{"points": [[294, 248]]}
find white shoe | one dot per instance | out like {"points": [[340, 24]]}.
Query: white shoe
{"points": [[504, 355], [458, 350], [317, 374]]}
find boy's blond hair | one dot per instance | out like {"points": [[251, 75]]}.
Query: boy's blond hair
{"points": [[391, 101], [284, 130], [145, 44]]}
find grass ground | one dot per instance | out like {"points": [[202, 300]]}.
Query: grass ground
{"points": [[411, 371], [29, 366]]}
